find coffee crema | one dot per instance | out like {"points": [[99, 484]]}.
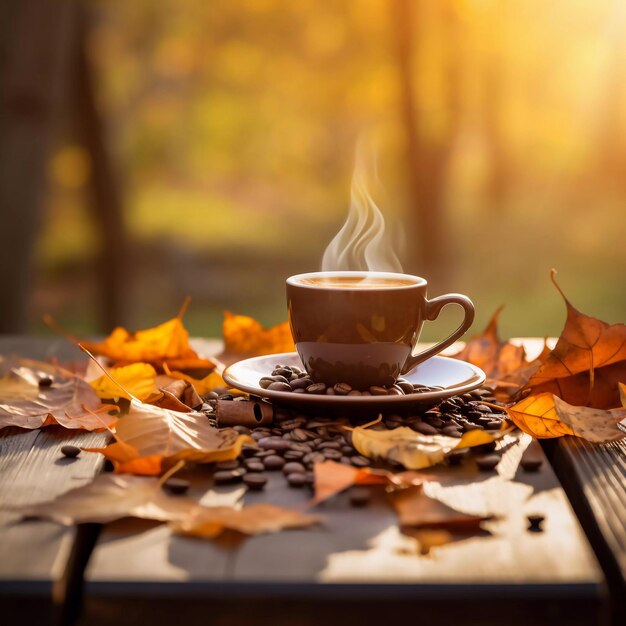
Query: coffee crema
{"points": [[355, 282]]}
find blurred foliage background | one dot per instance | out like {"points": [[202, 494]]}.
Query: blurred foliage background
{"points": [[501, 132]]}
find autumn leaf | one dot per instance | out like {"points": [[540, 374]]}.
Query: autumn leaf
{"points": [[430, 521], [150, 438], [166, 344], [202, 386], [110, 497], [595, 425], [177, 394], [537, 416], [332, 478], [245, 337], [256, 519], [136, 378], [414, 450], [66, 401], [587, 363], [495, 357], [622, 393]]}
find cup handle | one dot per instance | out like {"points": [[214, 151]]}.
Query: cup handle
{"points": [[433, 308]]}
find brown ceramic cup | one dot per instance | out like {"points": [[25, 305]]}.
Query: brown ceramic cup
{"points": [[361, 328]]}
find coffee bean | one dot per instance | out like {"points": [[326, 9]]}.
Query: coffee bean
{"points": [[360, 496], [355, 392], [265, 382], [378, 391], [227, 465], [255, 482], [493, 425], [300, 383], [347, 450], [342, 389], [330, 391], [273, 462], [300, 435], [227, 396], [436, 422], [70, 451], [531, 463], [45, 381], [456, 456], [316, 388], [176, 486], [313, 457], [273, 443], [262, 454], [242, 430], [488, 462], [254, 465], [296, 446], [279, 386], [300, 390], [297, 479], [279, 379], [360, 461], [345, 460], [423, 428], [395, 391], [286, 372], [293, 455], [452, 431], [469, 426], [290, 468], [225, 477], [325, 445], [535, 522], [406, 386], [332, 455]]}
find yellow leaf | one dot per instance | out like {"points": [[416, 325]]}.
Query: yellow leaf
{"points": [[137, 378], [413, 450], [537, 416], [245, 337]]}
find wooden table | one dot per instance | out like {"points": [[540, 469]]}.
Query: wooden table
{"points": [[356, 567]]}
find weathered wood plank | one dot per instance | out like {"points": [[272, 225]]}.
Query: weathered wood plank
{"points": [[358, 567], [35, 555], [594, 477]]}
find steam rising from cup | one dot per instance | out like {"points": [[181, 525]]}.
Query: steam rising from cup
{"points": [[363, 242]]}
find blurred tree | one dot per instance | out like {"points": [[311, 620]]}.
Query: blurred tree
{"points": [[428, 144], [34, 61]]}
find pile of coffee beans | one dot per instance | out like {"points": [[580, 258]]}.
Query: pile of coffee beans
{"points": [[290, 378], [295, 441]]}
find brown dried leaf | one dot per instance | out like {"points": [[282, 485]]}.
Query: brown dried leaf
{"points": [[110, 497], [256, 519], [69, 401], [595, 425], [150, 439], [587, 363], [332, 478], [495, 357]]}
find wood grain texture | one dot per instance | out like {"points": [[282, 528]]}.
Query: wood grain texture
{"points": [[34, 555], [357, 566], [594, 476]]}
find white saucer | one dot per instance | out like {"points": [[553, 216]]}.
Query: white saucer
{"points": [[455, 376]]}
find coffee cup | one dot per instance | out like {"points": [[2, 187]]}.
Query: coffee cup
{"points": [[362, 328]]}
